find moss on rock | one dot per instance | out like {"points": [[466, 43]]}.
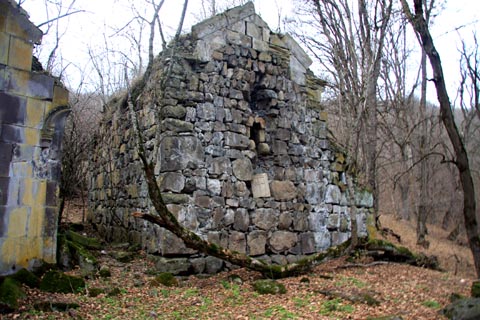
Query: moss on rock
{"points": [[10, 292], [90, 243], [269, 286], [475, 289], [165, 278], [27, 278], [56, 281]]}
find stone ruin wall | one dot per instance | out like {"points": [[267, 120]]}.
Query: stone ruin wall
{"points": [[241, 146]]}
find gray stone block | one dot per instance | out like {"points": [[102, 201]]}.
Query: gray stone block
{"points": [[237, 242], [265, 219], [256, 241], [281, 241], [241, 220], [13, 109]]}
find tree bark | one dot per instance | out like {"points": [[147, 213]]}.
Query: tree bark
{"points": [[469, 205]]}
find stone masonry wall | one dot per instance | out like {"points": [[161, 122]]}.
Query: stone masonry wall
{"points": [[32, 112], [233, 122]]}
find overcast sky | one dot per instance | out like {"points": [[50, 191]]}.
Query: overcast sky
{"points": [[458, 20]]}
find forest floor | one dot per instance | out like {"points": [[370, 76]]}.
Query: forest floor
{"points": [[327, 292]]}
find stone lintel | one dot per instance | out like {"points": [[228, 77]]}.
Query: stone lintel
{"points": [[222, 20]]}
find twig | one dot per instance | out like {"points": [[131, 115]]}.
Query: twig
{"points": [[362, 265]]}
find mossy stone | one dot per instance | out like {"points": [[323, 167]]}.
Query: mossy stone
{"points": [[10, 292], [269, 286], [465, 309], [105, 272], [90, 243], [476, 289], [123, 256], [165, 278], [56, 281], [114, 292], [27, 278], [86, 260], [94, 292]]}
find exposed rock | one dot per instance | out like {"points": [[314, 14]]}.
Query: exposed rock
{"points": [[256, 241], [171, 265], [242, 169], [283, 240], [172, 181], [283, 190], [241, 220], [268, 286], [463, 309], [237, 242], [56, 281], [265, 219]]}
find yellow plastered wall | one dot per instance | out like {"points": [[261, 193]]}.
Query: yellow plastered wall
{"points": [[27, 233]]}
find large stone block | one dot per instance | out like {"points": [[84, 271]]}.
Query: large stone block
{"points": [[13, 109], [281, 241], [260, 186], [333, 194], [172, 181], [236, 140], [4, 186], [256, 241], [307, 242], [177, 125], [283, 190], [322, 239], [318, 218], [20, 54], [218, 22], [34, 85], [60, 96], [4, 46], [35, 113], [178, 153], [315, 192], [265, 219], [17, 24], [206, 111], [11, 134], [241, 221], [242, 169], [220, 165], [237, 242]]}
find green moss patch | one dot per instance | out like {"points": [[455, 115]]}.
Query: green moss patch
{"points": [[27, 278], [269, 286], [56, 281], [10, 292], [164, 278], [90, 243]]}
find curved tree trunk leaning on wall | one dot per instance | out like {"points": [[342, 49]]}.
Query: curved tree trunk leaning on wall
{"points": [[469, 206]]}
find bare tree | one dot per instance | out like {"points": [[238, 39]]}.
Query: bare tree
{"points": [[419, 23], [348, 41], [55, 11]]}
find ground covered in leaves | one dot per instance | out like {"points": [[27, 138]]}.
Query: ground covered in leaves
{"points": [[335, 290]]}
